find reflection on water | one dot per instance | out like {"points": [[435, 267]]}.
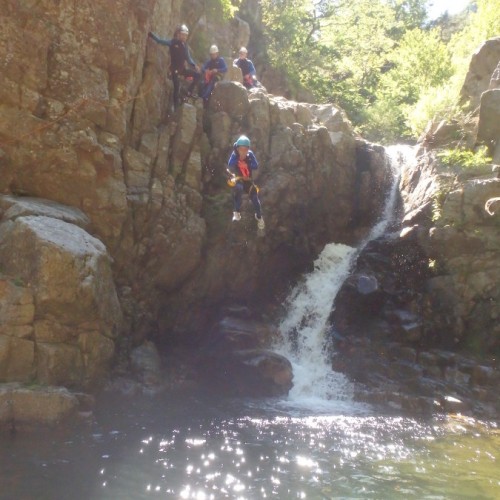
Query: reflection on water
{"points": [[197, 450]]}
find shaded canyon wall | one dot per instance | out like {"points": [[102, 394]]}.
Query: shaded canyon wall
{"points": [[115, 217]]}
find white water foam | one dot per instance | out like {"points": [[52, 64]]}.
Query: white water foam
{"points": [[303, 330], [303, 342]]}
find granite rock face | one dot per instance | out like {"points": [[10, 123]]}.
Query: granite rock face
{"points": [[62, 310], [115, 216], [482, 68]]}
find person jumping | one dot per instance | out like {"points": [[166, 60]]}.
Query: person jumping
{"points": [[241, 163]]}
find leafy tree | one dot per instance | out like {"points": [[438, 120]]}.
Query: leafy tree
{"points": [[338, 49], [290, 30], [411, 13], [360, 35], [441, 101], [421, 61], [377, 59]]}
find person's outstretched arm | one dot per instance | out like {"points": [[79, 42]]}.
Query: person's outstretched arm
{"points": [[161, 41]]}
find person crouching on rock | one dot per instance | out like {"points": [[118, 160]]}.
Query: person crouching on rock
{"points": [[247, 69], [213, 71], [180, 58], [241, 163]]}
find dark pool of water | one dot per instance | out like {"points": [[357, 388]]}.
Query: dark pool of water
{"points": [[201, 449]]}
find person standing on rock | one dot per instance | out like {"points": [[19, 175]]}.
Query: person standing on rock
{"points": [[247, 68], [180, 59], [240, 165], [213, 71]]}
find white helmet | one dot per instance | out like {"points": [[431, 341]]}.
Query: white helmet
{"points": [[184, 29], [214, 49], [243, 50]]}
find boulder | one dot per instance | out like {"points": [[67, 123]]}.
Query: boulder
{"points": [[495, 78], [259, 121], [230, 97], [17, 359], [17, 308], [220, 125], [233, 360], [282, 112], [482, 65], [76, 310], [232, 333], [21, 406], [489, 117], [250, 373], [12, 207], [137, 170], [373, 181]]}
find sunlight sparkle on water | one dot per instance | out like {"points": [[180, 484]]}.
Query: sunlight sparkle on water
{"points": [[306, 462]]}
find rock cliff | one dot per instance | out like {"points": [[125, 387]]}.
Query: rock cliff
{"points": [[438, 276], [115, 218]]}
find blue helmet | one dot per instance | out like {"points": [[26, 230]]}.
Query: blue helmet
{"points": [[243, 140]]}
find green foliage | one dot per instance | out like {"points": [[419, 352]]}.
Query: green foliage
{"points": [[289, 34], [358, 54], [464, 158], [420, 61], [377, 59], [444, 186], [439, 102], [411, 13], [225, 9], [442, 100], [385, 121], [482, 25]]}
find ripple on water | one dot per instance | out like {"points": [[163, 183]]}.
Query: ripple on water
{"points": [[203, 452], [315, 456]]}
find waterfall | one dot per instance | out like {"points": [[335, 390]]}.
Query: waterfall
{"points": [[308, 307]]}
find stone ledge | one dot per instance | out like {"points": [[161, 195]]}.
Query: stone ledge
{"points": [[24, 406]]}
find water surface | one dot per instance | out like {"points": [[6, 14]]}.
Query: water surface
{"points": [[191, 448]]}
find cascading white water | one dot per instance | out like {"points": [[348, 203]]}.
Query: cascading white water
{"points": [[303, 339]]}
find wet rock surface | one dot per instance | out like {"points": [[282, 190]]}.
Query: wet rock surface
{"points": [[235, 360], [419, 381]]}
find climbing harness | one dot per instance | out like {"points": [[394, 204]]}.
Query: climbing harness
{"points": [[231, 182]]}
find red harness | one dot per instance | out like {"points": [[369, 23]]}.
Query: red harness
{"points": [[243, 166]]}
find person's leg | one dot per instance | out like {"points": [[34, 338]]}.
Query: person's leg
{"points": [[237, 196], [207, 90], [254, 198], [175, 81], [195, 76]]}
